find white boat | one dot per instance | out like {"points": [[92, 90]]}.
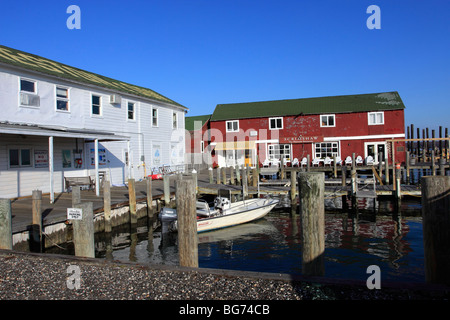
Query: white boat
{"points": [[225, 214]]}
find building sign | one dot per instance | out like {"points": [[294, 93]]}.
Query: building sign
{"points": [[40, 158], [301, 139]]}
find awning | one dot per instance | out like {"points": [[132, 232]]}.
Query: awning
{"points": [[234, 145], [59, 131]]}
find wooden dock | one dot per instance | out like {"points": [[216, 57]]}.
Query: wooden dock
{"points": [[57, 211]]}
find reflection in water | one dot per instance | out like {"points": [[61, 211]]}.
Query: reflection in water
{"points": [[352, 243]]}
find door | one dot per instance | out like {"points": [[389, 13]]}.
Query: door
{"points": [[374, 149]]}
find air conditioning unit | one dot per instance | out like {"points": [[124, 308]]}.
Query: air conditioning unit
{"points": [[115, 99], [28, 99]]}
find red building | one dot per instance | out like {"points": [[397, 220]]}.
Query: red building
{"points": [[322, 128]]}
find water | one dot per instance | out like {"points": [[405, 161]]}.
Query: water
{"points": [[352, 243]]}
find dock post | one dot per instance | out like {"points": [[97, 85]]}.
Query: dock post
{"points": [[387, 172], [312, 214], [107, 205], [442, 166], [344, 184], [195, 179], [255, 177], [436, 228], [83, 232], [397, 191], [149, 197], [76, 195], [232, 180], [166, 181], [132, 200], [433, 163], [244, 183], [224, 175], [187, 224], [407, 168], [308, 162], [334, 167], [36, 227], [238, 174], [353, 161], [354, 188], [293, 187], [218, 179], [210, 173], [5, 224], [282, 171]]}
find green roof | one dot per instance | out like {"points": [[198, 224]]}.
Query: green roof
{"points": [[189, 122], [321, 105], [36, 63]]}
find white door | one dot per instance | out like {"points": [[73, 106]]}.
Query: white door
{"points": [[374, 149]]}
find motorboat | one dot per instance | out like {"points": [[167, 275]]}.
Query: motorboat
{"points": [[223, 213]]}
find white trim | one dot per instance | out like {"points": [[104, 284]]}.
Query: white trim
{"points": [[379, 136]]}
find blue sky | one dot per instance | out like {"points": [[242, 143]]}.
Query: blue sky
{"points": [[201, 53]]}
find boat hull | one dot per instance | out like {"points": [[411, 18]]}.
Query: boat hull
{"points": [[245, 211]]}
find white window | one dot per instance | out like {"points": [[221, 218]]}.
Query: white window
{"points": [[131, 111], [20, 157], [376, 118], [275, 123], [327, 120], [154, 117], [96, 105], [326, 149], [62, 99], [174, 120], [280, 151], [232, 126], [28, 93]]}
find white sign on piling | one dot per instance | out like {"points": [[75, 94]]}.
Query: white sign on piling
{"points": [[74, 213]]}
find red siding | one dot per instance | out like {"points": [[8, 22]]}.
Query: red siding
{"points": [[346, 125]]}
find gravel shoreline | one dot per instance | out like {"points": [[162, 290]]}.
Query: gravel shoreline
{"points": [[29, 276]]}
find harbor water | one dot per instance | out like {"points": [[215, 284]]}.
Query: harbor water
{"points": [[376, 235]]}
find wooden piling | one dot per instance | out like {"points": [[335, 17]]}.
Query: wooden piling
{"points": [[149, 197], [166, 182], [238, 175], [407, 168], [83, 231], [218, 178], [187, 224], [255, 177], [210, 173], [195, 180], [132, 200], [312, 214], [436, 228], [224, 175], [232, 180], [293, 187], [107, 205], [244, 183], [36, 227], [5, 224], [76, 195]]}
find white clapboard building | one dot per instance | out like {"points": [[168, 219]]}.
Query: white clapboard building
{"points": [[58, 121]]}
